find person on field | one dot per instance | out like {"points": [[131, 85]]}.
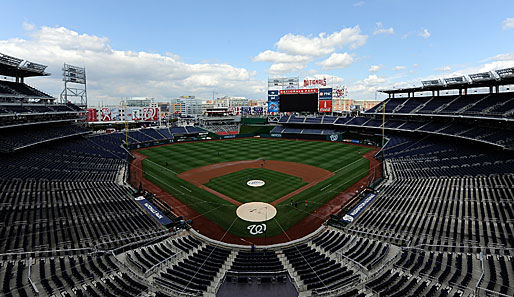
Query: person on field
{"points": [[306, 203], [291, 202]]}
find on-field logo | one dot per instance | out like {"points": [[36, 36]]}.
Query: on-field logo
{"points": [[256, 229], [255, 183]]}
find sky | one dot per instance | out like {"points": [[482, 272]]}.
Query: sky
{"points": [[165, 49]]}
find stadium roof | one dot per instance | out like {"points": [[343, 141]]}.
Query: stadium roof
{"points": [[477, 80], [15, 67]]}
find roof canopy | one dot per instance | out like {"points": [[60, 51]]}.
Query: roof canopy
{"points": [[477, 80], [15, 67]]}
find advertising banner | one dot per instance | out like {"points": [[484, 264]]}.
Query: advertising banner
{"points": [[325, 106], [234, 110], [350, 216], [115, 114], [106, 114], [91, 114], [156, 213], [133, 114], [272, 106], [325, 94], [272, 95], [151, 114], [246, 110], [258, 110]]}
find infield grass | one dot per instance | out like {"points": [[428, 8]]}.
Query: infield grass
{"points": [[276, 185], [343, 159]]}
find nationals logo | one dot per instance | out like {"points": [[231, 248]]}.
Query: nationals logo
{"points": [[256, 229], [150, 114]]}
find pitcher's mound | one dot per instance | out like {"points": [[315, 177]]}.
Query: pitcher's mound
{"points": [[256, 212]]}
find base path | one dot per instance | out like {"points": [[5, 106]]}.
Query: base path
{"points": [[206, 227]]}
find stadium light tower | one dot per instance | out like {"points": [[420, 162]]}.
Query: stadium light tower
{"points": [[75, 75]]}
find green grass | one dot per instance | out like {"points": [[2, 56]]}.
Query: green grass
{"points": [[340, 158], [276, 185]]}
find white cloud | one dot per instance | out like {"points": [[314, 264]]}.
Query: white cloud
{"points": [[503, 57], [277, 57], [358, 4], [508, 23], [445, 68], [373, 80], [399, 68], [323, 44], [285, 68], [381, 30], [366, 88], [337, 60], [28, 26], [425, 34], [415, 65], [118, 73], [375, 68]]}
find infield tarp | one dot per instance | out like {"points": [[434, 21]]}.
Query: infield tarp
{"points": [[350, 216], [153, 210]]}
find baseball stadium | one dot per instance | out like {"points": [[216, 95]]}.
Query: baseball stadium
{"points": [[413, 196]]}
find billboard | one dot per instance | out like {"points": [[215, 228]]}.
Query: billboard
{"points": [[325, 106], [91, 114], [272, 106], [273, 95], [246, 110], [156, 213], [115, 114], [258, 110], [151, 114], [106, 114], [350, 216], [133, 114], [325, 94]]}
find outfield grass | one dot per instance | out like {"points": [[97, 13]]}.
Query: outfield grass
{"points": [[276, 185], [343, 159]]}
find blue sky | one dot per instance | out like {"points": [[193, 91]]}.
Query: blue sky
{"points": [[165, 49]]}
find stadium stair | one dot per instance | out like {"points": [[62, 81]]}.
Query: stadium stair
{"points": [[211, 290]]}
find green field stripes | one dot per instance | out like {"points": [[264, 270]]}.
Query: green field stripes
{"points": [[343, 159], [276, 185]]}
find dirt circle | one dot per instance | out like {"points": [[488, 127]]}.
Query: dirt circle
{"points": [[256, 212]]}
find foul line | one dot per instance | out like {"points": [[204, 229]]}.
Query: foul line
{"points": [[348, 165]]}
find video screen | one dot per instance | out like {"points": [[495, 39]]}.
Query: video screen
{"points": [[298, 102]]}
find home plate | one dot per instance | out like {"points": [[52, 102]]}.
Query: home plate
{"points": [[256, 212]]}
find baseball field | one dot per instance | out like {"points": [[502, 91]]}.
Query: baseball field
{"points": [[211, 177]]}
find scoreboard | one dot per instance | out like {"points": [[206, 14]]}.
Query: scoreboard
{"points": [[305, 100], [298, 100]]}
